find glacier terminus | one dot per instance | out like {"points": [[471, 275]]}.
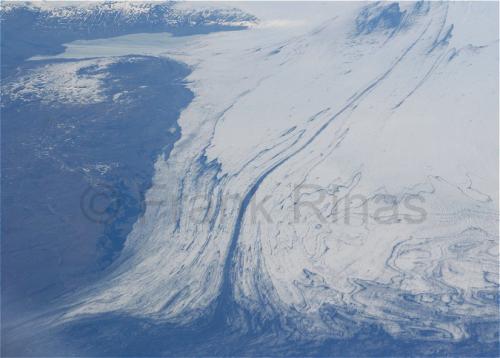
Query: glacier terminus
{"points": [[280, 179]]}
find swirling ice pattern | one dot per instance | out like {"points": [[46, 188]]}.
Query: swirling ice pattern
{"points": [[379, 101]]}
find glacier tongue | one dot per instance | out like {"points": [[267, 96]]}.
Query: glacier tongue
{"points": [[333, 104]]}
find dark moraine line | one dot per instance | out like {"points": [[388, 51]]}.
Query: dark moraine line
{"points": [[225, 305]]}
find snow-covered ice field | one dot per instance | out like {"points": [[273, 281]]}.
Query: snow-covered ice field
{"points": [[337, 169]]}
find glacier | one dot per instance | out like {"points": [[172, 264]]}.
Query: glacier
{"points": [[262, 233]]}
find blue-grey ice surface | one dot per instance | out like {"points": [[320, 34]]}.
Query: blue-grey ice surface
{"points": [[250, 179]]}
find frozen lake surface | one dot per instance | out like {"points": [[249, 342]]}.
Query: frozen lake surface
{"points": [[151, 44]]}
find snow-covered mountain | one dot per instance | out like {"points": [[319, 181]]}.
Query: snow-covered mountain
{"points": [[117, 16]]}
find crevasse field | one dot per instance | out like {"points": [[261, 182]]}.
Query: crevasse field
{"points": [[250, 179]]}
